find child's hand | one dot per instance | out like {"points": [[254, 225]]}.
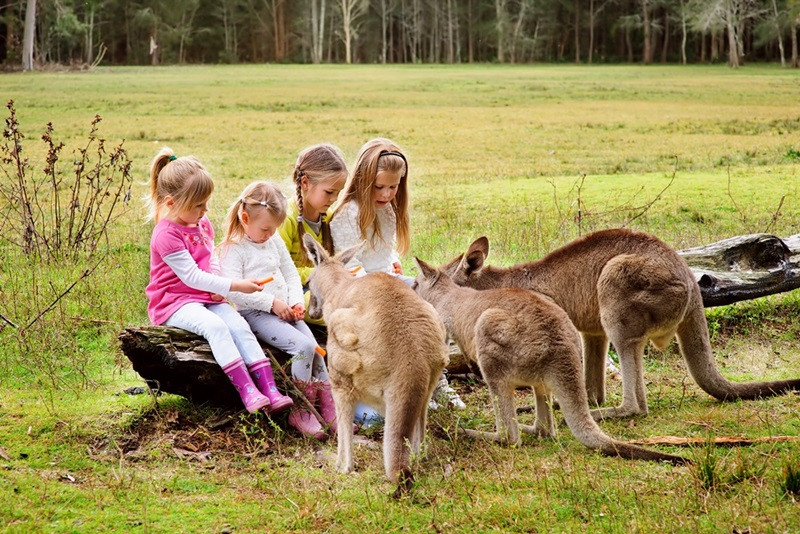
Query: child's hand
{"points": [[299, 311], [282, 310], [398, 269], [247, 285], [217, 298]]}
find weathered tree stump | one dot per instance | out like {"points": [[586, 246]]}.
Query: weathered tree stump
{"points": [[745, 267], [739, 268], [175, 361]]}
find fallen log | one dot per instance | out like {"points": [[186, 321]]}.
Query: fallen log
{"points": [[745, 267]]}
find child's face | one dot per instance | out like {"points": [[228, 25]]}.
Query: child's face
{"points": [[385, 187], [317, 198], [260, 227], [191, 215]]}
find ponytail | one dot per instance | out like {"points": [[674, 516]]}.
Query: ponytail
{"points": [[184, 179]]}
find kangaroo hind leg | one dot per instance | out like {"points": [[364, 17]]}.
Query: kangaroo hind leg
{"points": [[543, 427]]}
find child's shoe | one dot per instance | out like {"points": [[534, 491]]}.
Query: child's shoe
{"points": [[262, 376], [366, 417], [327, 409], [251, 397], [301, 418], [444, 394]]}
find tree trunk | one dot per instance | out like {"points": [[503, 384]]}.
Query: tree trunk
{"points": [[470, 45], [647, 54], [665, 43], [778, 33], [576, 6], [683, 34], [90, 37], [795, 58], [384, 31], [733, 46], [591, 32], [629, 44], [451, 48], [500, 22], [27, 39], [714, 46]]}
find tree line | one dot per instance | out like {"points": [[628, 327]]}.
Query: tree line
{"points": [[138, 32]]}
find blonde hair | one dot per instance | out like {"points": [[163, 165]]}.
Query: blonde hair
{"points": [[256, 196], [375, 156], [184, 179], [319, 163]]}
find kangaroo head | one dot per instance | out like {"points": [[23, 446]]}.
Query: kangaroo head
{"points": [[426, 279], [469, 264], [326, 268]]}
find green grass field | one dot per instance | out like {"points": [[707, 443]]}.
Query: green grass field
{"points": [[532, 156]]}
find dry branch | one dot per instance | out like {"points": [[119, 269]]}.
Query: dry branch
{"points": [[723, 441]]}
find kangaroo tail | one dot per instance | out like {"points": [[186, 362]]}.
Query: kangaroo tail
{"points": [[695, 346], [579, 420]]}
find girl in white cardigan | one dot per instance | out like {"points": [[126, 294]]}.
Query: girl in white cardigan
{"points": [[375, 209], [252, 245]]}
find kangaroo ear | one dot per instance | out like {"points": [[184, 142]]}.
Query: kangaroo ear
{"points": [[481, 244], [429, 272], [475, 256], [316, 253], [346, 255]]}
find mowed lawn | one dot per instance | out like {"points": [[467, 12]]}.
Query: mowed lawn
{"points": [[532, 157]]}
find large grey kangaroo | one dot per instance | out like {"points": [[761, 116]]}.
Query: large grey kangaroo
{"points": [[627, 287], [521, 338], [386, 348]]}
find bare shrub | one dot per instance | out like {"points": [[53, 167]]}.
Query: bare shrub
{"points": [[60, 214]]}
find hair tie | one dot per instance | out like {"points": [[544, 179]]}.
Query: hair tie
{"points": [[173, 157], [254, 202], [299, 218]]}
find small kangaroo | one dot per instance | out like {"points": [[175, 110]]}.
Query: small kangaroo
{"points": [[627, 287], [521, 338], [386, 348]]}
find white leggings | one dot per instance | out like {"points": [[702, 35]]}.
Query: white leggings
{"points": [[295, 339], [227, 332]]}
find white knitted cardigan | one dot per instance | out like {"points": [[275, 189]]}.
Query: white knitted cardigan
{"points": [[375, 257]]}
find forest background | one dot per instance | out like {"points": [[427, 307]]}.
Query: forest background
{"points": [[137, 32]]}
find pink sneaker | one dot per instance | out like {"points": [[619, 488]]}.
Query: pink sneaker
{"points": [[302, 419]]}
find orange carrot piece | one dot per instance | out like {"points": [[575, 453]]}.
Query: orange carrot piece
{"points": [[320, 351], [266, 280]]}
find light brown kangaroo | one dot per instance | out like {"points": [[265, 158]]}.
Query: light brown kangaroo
{"points": [[627, 287], [521, 338], [386, 348]]}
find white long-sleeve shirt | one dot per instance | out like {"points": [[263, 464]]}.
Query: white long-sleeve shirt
{"points": [[248, 259], [375, 257]]}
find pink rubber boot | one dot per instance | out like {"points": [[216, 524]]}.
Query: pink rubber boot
{"points": [[301, 418], [326, 407], [262, 376], [251, 397]]}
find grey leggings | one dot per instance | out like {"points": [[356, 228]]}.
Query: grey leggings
{"points": [[295, 339]]}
